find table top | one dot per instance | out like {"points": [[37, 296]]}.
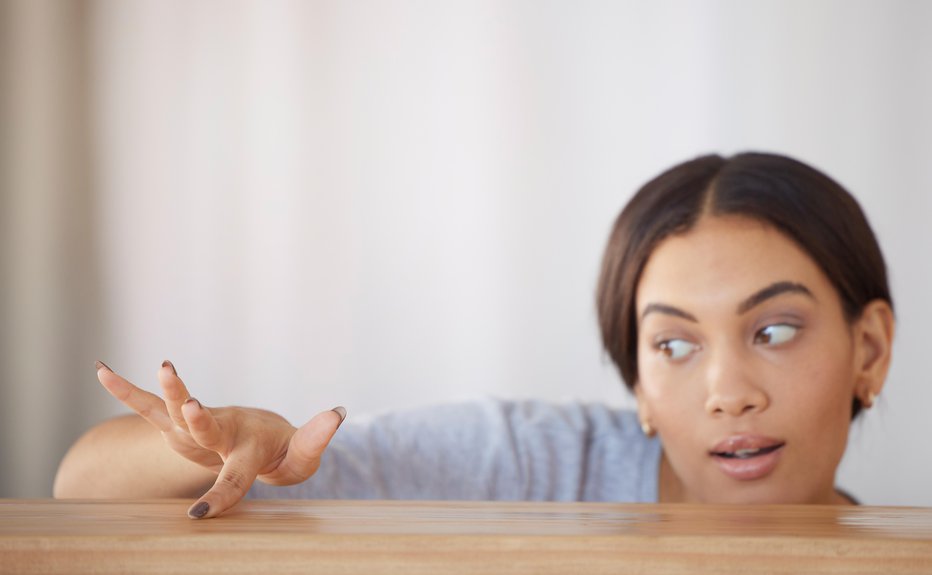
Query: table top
{"points": [[142, 536]]}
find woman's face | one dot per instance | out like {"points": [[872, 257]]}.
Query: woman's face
{"points": [[747, 366]]}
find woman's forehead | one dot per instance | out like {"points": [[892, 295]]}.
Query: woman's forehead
{"points": [[722, 260]]}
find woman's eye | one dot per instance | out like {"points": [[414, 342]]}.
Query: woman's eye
{"points": [[776, 334], [676, 348]]}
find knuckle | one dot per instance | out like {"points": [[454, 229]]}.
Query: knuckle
{"points": [[235, 480], [205, 434], [207, 442]]}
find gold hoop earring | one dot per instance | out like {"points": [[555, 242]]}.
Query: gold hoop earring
{"points": [[647, 429]]}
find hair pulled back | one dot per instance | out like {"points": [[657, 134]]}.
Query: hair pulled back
{"points": [[803, 203]]}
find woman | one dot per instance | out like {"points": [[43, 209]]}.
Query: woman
{"points": [[743, 300]]}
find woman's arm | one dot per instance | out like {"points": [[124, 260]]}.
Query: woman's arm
{"points": [[178, 447], [126, 457]]}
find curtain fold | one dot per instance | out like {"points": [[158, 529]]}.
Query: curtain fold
{"points": [[51, 323]]}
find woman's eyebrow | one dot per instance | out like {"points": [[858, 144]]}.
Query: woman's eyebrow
{"points": [[667, 309], [773, 290]]}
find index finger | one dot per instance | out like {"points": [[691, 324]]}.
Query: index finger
{"points": [[175, 392], [148, 405]]}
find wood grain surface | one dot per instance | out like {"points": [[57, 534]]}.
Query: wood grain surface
{"points": [[372, 537]]}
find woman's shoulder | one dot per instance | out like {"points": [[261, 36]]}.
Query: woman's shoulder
{"points": [[598, 450]]}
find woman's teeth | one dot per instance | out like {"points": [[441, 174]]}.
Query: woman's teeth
{"points": [[748, 452]]}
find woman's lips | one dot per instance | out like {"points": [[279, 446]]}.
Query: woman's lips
{"points": [[747, 457]]}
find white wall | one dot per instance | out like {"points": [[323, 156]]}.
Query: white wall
{"points": [[386, 204]]}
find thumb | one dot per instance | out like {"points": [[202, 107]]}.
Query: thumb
{"points": [[306, 446]]}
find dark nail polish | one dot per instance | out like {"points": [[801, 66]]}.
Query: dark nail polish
{"points": [[341, 411], [167, 363], [199, 510], [99, 364]]}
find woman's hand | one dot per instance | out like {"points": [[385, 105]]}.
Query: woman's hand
{"points": [[239, 444]]}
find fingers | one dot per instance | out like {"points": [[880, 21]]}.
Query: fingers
{"points": [[203, 427], [241, 468], [307, 445], [174, 391], [148, 405], [238, 473]]}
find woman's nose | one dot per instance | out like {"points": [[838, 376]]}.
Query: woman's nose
{"points": [[731, 387]]}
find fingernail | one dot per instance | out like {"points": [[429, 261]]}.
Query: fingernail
{"points": [[199, 510], [99, 364], [167, 363], [190, 399], [341, 411]]}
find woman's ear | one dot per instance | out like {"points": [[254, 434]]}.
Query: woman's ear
{"points": [[873, 341]]}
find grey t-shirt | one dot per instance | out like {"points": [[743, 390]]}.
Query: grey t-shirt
{"points": [[487, 450]]}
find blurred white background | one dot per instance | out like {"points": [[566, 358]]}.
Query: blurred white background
{"points": [[394, 203]]}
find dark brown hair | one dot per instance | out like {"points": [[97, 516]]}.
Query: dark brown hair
{"points": [[800, 201]]}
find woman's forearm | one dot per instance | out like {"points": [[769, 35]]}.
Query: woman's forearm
{"points": [[126, 457]]}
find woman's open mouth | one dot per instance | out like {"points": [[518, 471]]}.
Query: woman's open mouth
{"points": [[747, 457]]}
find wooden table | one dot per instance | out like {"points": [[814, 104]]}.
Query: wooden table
{"points": [[372, 537]]}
